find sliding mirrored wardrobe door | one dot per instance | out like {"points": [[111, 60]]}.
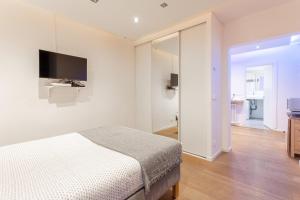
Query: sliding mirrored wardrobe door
{"points": [[165, 85]]}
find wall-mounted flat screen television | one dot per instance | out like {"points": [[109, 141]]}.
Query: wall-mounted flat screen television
{"points": [[174, 80], [61, 66]]}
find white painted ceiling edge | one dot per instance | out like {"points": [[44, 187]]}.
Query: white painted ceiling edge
{"points": [[117, 16], [280, 41], [203, 18]]}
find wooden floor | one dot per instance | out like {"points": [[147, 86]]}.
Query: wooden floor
{"points": [[257, 168], [170, 132]]}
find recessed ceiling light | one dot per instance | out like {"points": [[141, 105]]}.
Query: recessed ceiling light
{"points": [[164, 5], [95, 1], [295, 39], [257, 47], [136, 20]]}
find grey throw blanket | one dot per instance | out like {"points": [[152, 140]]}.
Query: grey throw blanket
{"points": [[157, 155]]}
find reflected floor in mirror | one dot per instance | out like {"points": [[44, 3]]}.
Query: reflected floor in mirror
{"points": [[170, 132]]}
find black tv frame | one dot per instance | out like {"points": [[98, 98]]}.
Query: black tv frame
{"points": [[58, 59]]}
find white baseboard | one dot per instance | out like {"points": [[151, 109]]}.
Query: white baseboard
{"points": [[209, 158], [227, 150], [196, 156], [280, 130], [213, 157]]}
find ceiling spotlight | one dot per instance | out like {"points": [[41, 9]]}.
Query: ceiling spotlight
{"points": [[136, 20], [295, 39], [257, 47], [164, 5], [95, 1]]}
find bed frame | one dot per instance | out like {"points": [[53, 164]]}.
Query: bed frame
{"points": [[157, 190], [175, 191], [171, 180]]}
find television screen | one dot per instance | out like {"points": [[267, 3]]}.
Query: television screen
{"points": [[60, 66], [174, 80]]}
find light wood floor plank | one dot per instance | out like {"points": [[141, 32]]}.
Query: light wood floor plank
{"points": [[258, 168]]}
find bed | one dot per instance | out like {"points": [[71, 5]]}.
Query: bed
{"points": [[105, 163]]}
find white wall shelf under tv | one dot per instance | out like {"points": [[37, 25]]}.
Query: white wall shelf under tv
{"points": [[52, 86]]}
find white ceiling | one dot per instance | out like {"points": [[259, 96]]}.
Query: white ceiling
{"points": [[266, 44], [267, 48], [116, 16], [291, 52]]}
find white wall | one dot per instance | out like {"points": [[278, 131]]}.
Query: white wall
{"points": [[287, 61], [276, 21], [216, 57], [165, 103], [25, 115]]}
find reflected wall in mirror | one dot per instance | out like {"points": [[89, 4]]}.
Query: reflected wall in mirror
{"points": [[165, 91], [255, 82]]}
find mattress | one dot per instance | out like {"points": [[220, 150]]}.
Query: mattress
{"points": [[67, 167], [157, 155]]}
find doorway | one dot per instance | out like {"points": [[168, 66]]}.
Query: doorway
{"points": [[264, 75], [255, 107], [260, 100], [165, 86]]}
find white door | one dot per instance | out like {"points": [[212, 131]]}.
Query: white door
{"points": [[143, 87], [270, 97], [195, 97]]}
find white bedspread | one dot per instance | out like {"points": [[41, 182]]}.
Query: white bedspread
{"points": [[67, 167]]}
